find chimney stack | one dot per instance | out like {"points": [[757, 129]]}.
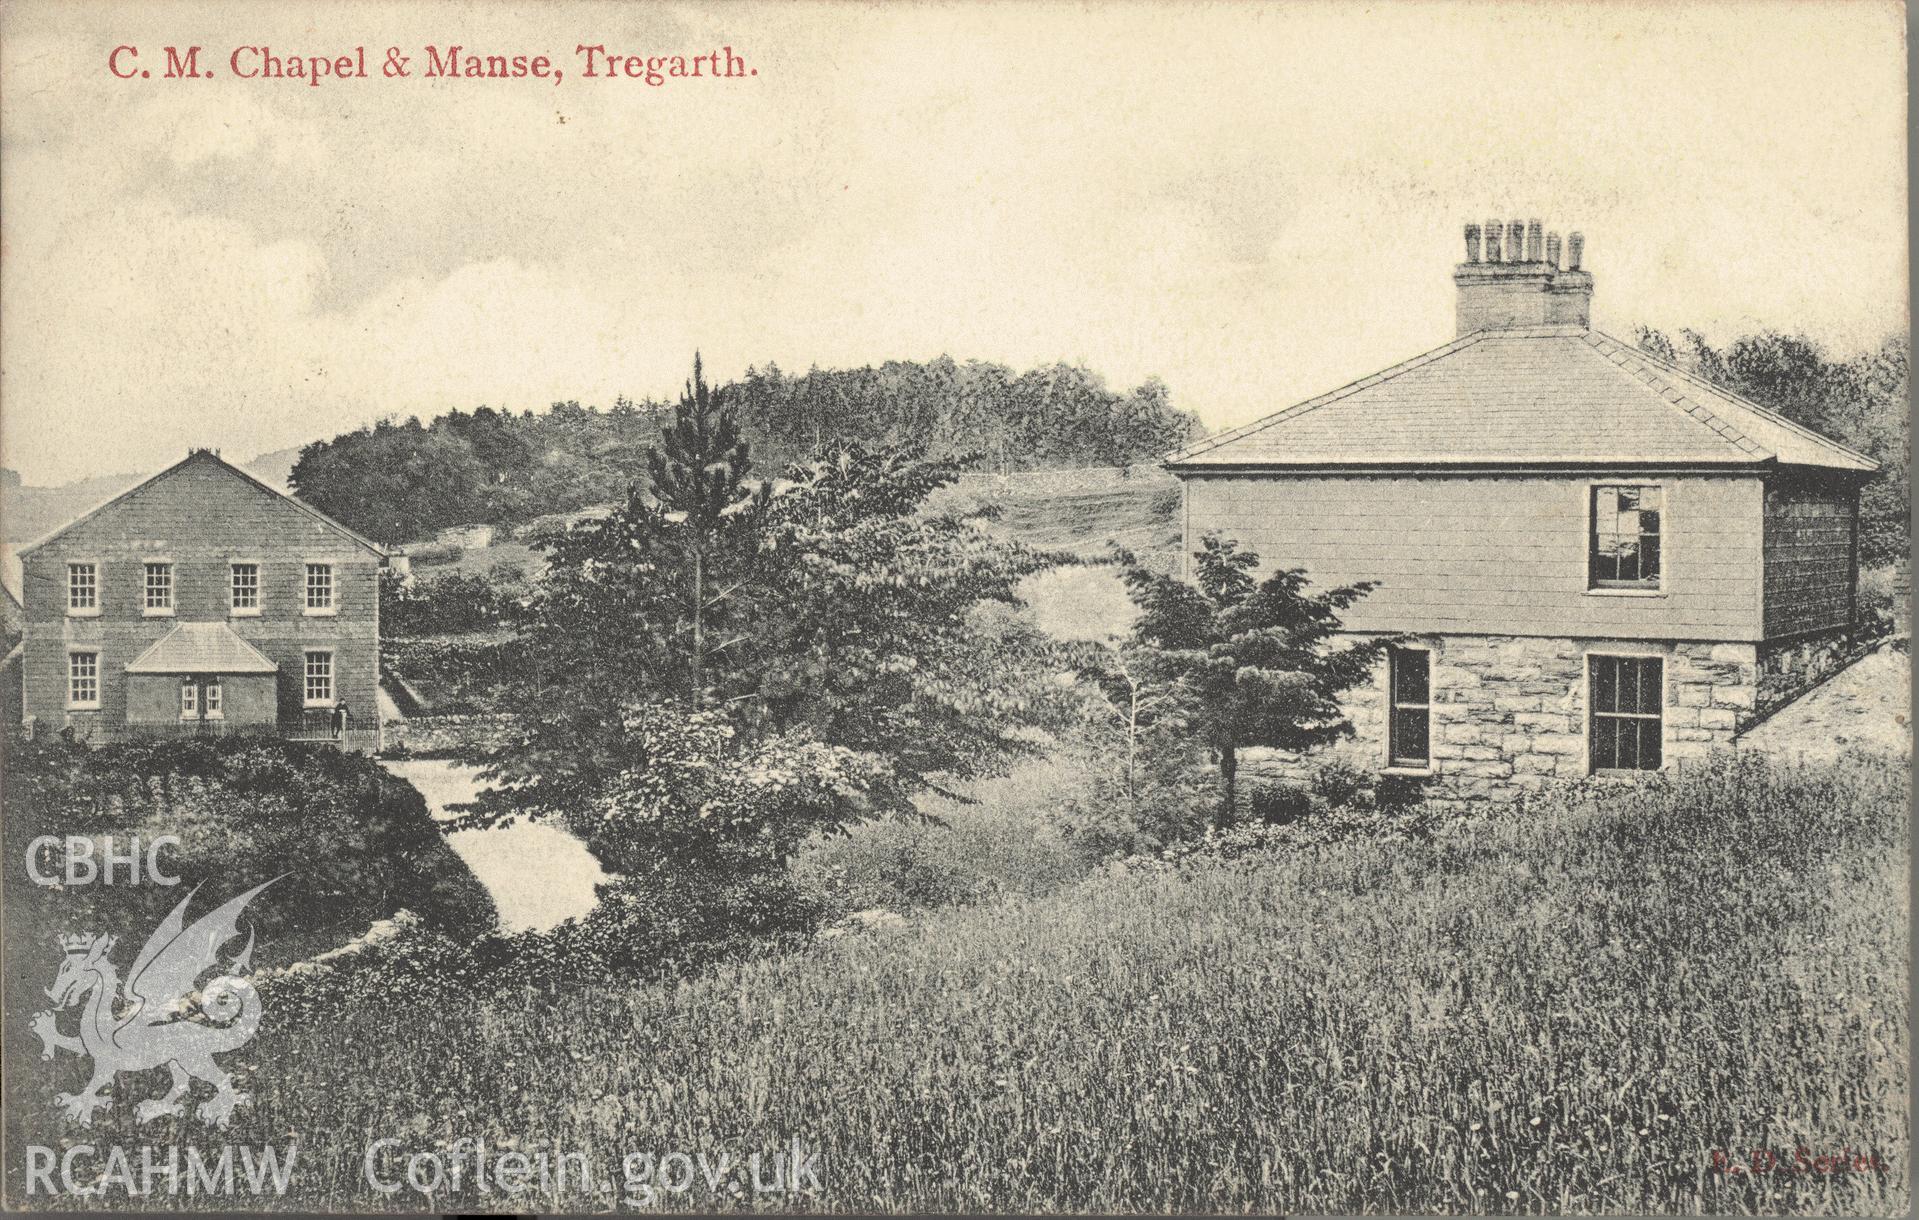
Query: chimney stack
{"points": [[1512, 278]]}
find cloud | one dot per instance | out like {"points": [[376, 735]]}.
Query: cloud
{"points": [[1255, 204]]}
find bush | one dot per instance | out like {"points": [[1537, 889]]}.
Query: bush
{"points": [[459, 675], [1278, 803], [452, 602], [355, 843], [1131, 792], [1257, 841], [1877, 612], [673, 925], [1009, 843]]}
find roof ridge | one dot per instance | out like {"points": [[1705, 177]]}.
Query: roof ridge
{"points": [[1210, 443], [1725, 429], [1768, 413], [260, 483]]}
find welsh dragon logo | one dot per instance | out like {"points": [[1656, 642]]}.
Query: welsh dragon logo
{"points": [[162, 1015]]}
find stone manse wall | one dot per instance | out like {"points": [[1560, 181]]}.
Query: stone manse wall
{"points": [[1509, 712]]}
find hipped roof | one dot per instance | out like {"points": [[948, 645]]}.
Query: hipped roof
{"points": [[1537, 396]]}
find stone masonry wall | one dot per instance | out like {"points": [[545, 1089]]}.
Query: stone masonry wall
{"points": [[437, 736], [1790, 668], [1509, 713]]}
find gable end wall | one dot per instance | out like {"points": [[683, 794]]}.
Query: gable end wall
{"points": [[201, 518]]}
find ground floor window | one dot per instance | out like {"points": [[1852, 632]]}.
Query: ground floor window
{"points": [[214, 711], [189, 699], [83, 679], [1409, 726], [319, 678], [1628, 708]]}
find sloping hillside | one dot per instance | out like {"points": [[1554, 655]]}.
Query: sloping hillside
{"points": [[1078, 511], [1594, 1008]]}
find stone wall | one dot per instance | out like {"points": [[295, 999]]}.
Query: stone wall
{"points": [[1789, 668], [435, 736], [1509, 713]]}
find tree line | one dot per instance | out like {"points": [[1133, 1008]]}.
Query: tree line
{"points": [[402, 480]]}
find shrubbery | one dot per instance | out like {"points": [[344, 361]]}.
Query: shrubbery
{"points": [[458, 675], [1009, 842], [451, 602], [1877, 611], [355, 843]]}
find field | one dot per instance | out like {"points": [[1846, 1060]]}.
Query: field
{"points": [[1595, 1003]]}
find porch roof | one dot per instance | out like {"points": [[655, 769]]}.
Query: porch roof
{"points": [[201, 648]]}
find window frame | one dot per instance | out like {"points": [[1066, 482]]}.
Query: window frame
{"points": [[332, 605], [212, 701], [1394, 762], [1593, 714], [1589, 517], [83, 705], [147, 608], [234, 609], [189, 699], [307, 698], [98, 588]]}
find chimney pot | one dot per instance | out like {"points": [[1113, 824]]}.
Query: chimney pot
{"points": [[1512, 279]]}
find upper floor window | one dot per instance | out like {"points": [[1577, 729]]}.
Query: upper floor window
{"points": [[1624, 550], [319, 588], [83, 588], [246, 588], [159, 589], [83, 679]]}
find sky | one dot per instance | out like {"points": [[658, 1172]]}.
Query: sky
{"points": [[1254, 203]]}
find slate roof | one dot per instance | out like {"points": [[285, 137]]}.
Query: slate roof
{"points": [[207, 455], [201, 648], [1536, 396]]}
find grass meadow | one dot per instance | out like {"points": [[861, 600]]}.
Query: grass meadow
{"points": [[1596, 1002]]}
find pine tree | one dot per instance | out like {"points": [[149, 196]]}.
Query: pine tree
{"points": [[704, 515], [1247, 663]]}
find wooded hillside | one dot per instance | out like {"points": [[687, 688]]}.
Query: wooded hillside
{"points": [[402, 480]]}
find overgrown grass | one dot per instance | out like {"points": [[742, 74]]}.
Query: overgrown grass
{"points": [[1002, 845], [1570, 1006]]}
